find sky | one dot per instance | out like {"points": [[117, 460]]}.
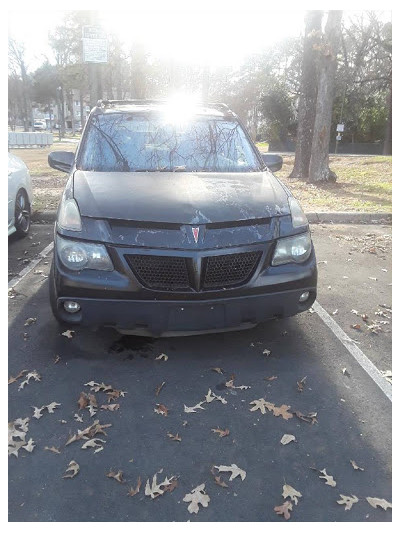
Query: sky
{"points": [[198, 38]]}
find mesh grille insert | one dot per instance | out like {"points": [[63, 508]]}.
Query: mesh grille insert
{"points": [[227, 270], [160, 272]]}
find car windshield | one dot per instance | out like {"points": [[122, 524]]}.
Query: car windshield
{"points": [[127, 142]]}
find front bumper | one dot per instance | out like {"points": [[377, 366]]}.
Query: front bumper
{"points": [[117, 299]]}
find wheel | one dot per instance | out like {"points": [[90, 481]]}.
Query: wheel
{"points": [[22, 214], [53, 296]]}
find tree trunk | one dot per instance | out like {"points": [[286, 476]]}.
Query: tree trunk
{"points": [[387, 147], [319, 163], [308, 96]]}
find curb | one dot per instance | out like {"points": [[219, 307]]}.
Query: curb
{"points": [[43, 217]]}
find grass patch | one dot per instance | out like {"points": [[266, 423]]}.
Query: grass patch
{"points": [[363, 184]]}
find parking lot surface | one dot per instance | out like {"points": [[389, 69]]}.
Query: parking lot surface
{"points": [[296, 362]]}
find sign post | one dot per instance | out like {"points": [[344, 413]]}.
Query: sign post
{"points": [[339, 130], [95, 52]]}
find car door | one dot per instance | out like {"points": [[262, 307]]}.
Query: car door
{"points": [[12, 184]]}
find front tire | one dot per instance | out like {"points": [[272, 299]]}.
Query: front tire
{"points": [[22, 214], [53, 296]]}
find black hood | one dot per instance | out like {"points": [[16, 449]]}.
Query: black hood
{"points": [[179, 197]]}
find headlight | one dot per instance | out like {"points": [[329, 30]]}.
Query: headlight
{"points": [[77, 255], [298, 216], [296, 249], [69, 216]]}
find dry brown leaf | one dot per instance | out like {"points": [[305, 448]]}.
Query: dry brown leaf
{"points": [[161, 409], [210, 396], [50, 408], [284, 509], [379, 502], [262, 405], [218, 370], [347, 501], [193, 409], [328, 479], [355, 466], [17, 430], [234, 469], [159, 387], [110, 407], [221, 432], [172, 485], [301, 383], [52, 449], [13, 379], [230, 385], [73, 468], [161, 357], [101, 387], [286, 439], [78, 418], [133, 491], [89, 432], [290, 492], [30, 321], [271, 378], [197, 497], [29, 445], [83, 400], [174, 437], [356, 326], [282, 411], [69, 333], [37, 412], [118, 476], [92, 400]]}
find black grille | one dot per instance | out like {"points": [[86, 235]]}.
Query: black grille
{"points": [[227, 270], [160, 272]]}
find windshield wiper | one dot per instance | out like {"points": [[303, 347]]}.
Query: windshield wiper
{"points": [[181, 168]]}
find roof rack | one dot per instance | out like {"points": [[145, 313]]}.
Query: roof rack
{"points": [[215, 105]]}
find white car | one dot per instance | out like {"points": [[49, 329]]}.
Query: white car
{"points": [[19, 196]]}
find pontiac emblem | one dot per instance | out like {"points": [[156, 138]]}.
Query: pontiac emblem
{"points": [[195, 232]]}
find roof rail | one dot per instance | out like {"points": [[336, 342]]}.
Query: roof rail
{"points": [[104, 103]]}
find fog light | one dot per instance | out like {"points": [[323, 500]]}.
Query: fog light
{"points": [[71, 307], [304, 297]]}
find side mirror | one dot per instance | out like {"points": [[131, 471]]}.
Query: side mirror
{"points": [[61, 160], [272, 161]]}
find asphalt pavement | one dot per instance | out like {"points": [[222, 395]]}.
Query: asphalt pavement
{"points": [[304, 370]]}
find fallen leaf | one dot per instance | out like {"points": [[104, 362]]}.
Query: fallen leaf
{"points": [[31, 375], [290, 492], [37, 413], [284, 509], [218, 479], [89, 432], [311, 418], [262, 405], [161, 409], [73, 467], [387, 374], [229, 384], [78, 418], [221, 432], [355, 466], [12, 379], [83, 400], [157, 489], [328, 479], [29, 445], [69, 333], [347, 501], [234, 469], [335, 312], [30, 321], [92, 410], [92, 443], [282, 411], [271, 378], [172, 485], [53, 405], [345, 372], [110, 407], [355, 326], [118, 476], [267, 352], [197, 497], [301, 383], [159, 387], [162, 357], [218, 370], [174, 437], [378, 502], [286, 439], [57, 359], [100, 387], [52, 449], [133, 491], [193, 409]]}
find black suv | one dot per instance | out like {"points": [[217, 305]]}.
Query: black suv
{"points": [[172, 223]]}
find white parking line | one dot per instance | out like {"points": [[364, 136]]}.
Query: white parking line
{"points": [[355, 351], [24, 272]]}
